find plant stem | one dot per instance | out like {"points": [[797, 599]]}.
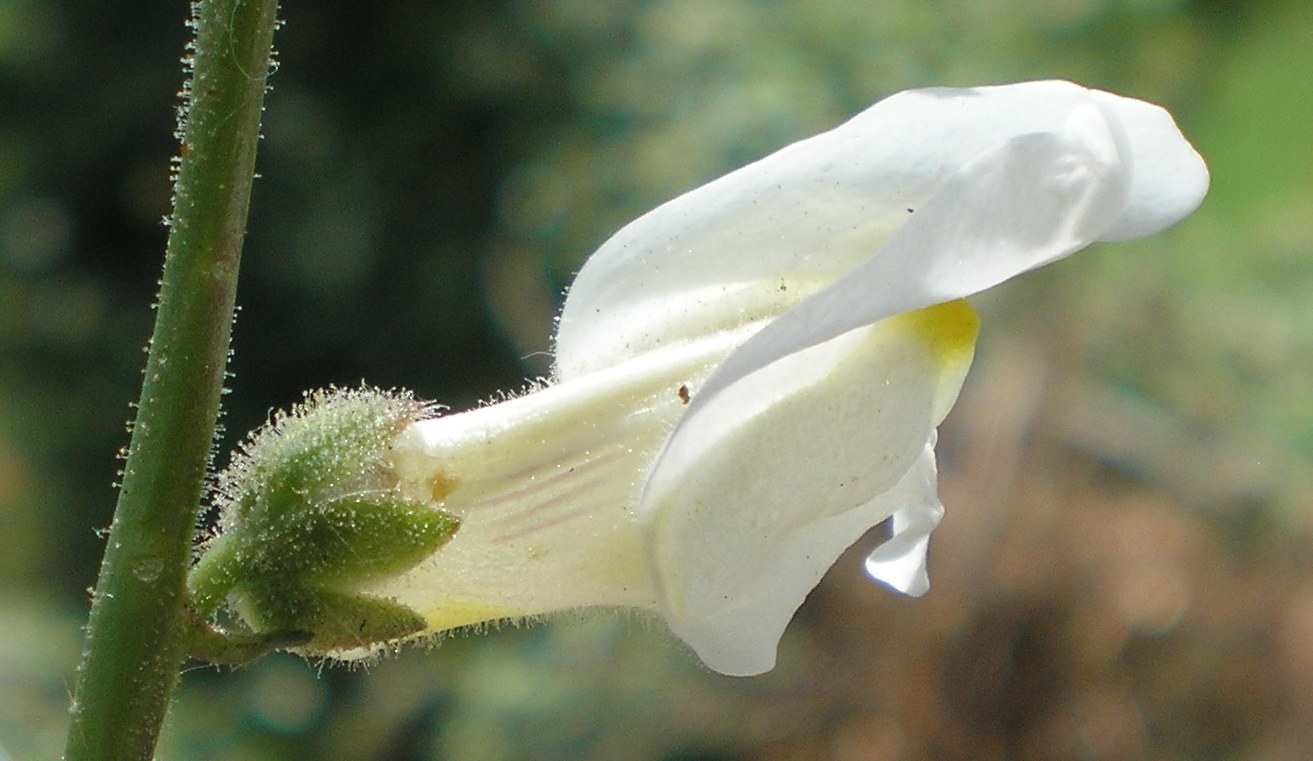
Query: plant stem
{"points": [[136, 631]]}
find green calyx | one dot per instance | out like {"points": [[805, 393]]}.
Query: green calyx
{"points": [[309, 511]]}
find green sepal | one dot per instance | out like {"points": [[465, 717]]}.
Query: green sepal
{"points": [[311, 511], [337, 621], [350, 540]]}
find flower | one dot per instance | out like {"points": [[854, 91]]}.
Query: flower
{"points": [[750, 377]]}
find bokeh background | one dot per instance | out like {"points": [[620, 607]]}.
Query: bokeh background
{"points": [[1124, 569]]}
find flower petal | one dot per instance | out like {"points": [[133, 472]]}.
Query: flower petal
{"points": [[1027, 202], [900, 560], [761, 497], [812, 211], [1169, 179]]}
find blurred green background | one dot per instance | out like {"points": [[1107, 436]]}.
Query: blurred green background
{"points": [[1123, 572]]}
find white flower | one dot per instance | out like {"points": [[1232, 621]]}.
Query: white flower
{"points": [[749, 377]]}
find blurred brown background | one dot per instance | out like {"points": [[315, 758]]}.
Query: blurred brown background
{"points": [[1123, 572]]}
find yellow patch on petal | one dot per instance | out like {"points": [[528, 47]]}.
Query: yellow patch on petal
{"points": [[949, 331], [455, 614], [950, 328], [441, 485]]}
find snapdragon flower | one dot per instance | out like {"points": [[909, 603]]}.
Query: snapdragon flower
{"points": [[749, 378]]}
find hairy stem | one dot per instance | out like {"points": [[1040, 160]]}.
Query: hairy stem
{"points": [[138, 625]]}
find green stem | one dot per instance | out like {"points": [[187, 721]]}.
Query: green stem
{"points": [[211, 579], [138, 627], [211, 645]]}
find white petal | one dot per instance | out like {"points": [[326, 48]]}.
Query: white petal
{"points": [[1025, 203], [759, 498], [1169, 179], [900, 561], [813, 210]]}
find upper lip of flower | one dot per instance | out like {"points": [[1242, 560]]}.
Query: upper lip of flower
{"points": [[821, 207]]}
